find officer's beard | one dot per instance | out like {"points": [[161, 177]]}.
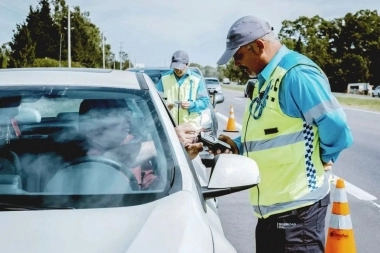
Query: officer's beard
{"points": [[250, 73]]}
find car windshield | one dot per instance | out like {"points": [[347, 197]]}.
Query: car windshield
{"points": [[82, 147], [212, 81]]}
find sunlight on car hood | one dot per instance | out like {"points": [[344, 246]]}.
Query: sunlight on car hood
{"points": [[172, 224]]}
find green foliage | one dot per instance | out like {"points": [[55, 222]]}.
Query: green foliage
{"points": [[47, 62], [44, 35], [4, 56], [347, 49], [23, 48]]}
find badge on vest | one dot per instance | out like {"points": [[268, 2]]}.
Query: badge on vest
{"points": [[271, 130]]}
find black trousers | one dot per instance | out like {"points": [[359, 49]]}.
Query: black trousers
{"points": [[297, 231]]}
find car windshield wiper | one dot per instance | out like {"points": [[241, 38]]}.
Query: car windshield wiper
{"points": [[13, 207]]}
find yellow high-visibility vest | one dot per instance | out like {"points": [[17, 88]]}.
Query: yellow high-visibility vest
{"points": [[285, 148], [186, 92]]}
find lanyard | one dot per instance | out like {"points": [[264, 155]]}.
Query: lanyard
{"points": [[261, 102]]}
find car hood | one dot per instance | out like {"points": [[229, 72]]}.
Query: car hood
{"points": [[213, 86], [172, 224]]}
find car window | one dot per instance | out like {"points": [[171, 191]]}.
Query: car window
{"points": [[83, 142], [212, 81], [196, 70]]}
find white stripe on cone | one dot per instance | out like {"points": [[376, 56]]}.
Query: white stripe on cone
{"points": [[340, 196], [340, 221]]}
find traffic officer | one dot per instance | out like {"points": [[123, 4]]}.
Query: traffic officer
{"points": [[185, 91], [294, 128]]}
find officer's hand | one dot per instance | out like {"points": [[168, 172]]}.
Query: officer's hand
{"points": [[194, 149], [228, 140], [185, 104], [186, 133], [327, 166]]}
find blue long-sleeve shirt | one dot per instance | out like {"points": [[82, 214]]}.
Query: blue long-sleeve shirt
{"points": [[202, 98], [305, 93]]}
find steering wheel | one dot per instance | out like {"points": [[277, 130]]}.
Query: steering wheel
{"points": [[116, 165]]}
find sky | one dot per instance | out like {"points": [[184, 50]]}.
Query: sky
{"points": [[151, 30]]}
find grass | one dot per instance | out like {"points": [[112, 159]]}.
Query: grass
{"points": [[365, 103], [362, 103]]}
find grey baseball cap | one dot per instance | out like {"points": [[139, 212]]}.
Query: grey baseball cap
{"points": [[179, 60], [242, 32]]}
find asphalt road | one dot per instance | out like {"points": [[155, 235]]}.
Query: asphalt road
{"points": [[359, 166]]}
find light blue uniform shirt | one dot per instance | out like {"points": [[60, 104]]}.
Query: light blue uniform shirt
{"points": [[202, 98], [305, 93]]}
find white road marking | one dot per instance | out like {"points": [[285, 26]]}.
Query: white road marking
{"points": [[350, 188], [354, 109], [238, 98]]}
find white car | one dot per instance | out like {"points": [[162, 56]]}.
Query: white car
{"points": [[59, 195], [376, 92]]}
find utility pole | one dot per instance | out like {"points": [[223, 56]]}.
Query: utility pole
{"points": [[120, 56], [129, 60], [104, 56], [60, 49], [69, 38]]}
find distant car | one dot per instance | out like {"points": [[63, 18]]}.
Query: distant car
{"points": [[209, 121], [214, 88], [249, 86], [213, 85], [58, 195], [376, 92], [226, 81]]}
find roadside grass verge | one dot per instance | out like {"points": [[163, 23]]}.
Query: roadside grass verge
{"points": [[360, 103]]}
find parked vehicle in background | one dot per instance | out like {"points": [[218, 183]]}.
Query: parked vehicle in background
{"points": [[226, 80], [213, 85], [376, 92], [214, 88], [209, 121], [62, 192], [249, 86]]}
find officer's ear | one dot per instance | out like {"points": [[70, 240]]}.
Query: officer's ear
{"points": [[259, 44]]}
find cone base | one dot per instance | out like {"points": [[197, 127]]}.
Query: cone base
{"points": [[340, 241], [225, 130]]}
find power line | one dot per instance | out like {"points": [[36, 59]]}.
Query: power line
{"points": [[22, 14], [13, 6]]}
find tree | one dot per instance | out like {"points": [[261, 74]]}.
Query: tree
{"points": [[22, 48], [5, 53], [43, 31]]}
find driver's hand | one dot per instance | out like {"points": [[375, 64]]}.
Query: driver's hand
{"points": [[227, 139], [170, 106]]}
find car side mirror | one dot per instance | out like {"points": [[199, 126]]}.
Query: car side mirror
{"points": [[219, 98], [231, 173]]}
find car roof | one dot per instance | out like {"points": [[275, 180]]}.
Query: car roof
{"points": [[161, 69], [69, 76]]}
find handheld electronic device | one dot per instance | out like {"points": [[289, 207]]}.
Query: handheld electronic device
{"points": [[213, 143]]}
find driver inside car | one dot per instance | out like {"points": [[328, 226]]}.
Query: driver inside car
{"points": [[106, 123]]}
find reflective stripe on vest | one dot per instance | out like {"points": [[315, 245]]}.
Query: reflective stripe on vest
{"points": [[285, 148], [186, 92]]}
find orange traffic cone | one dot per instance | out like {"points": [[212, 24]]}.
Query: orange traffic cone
{"points": [[340, 237], [231, 127]]}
